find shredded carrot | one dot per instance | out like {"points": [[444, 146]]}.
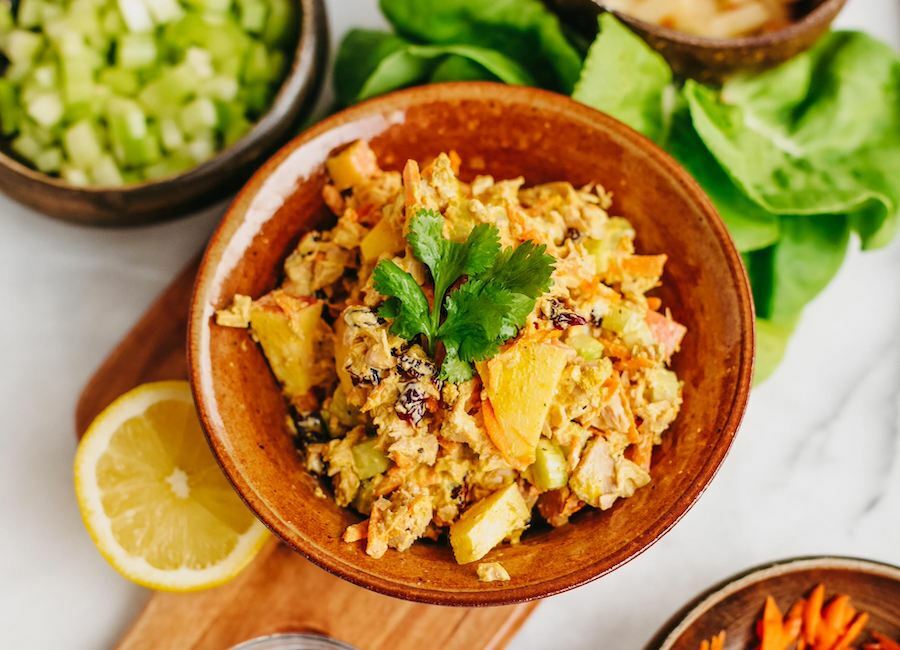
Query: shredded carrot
{"points": [[855, 629], [770, 639], [718, 641], [813, 615], [704, 645], [411, 180], [654, 303], [882, 643]]}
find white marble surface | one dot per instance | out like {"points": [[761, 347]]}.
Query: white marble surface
{"points": [[815, 469]]}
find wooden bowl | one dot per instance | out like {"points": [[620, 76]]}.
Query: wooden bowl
{"points": [[505, 131], [712, 59], [171, 197], [736, 604]]}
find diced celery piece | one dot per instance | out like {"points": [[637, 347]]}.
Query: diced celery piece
{"points": [[550, 469], [50, 10], [43, 136], [587, 347], [166, 93], [170, 134], [256, 67], [78, 80], [253, 15], [368, 459], [44, 75], [74, 175], [236, 130], [201, 148], [120, 81], [281, 23], [214, 6], [628, 323], [10, 111], [111, 22], [6, 18], [21, 47], [132, 142], [49, 161], [26, 146], [46, 108], [164, 11], [200, 114], [257, 97], [83, 18], [105, 171], [169, 166], [135, 51], [29, 14], [200, 61], [277, 63], [220, 87], [135, 15], [83, 145]]}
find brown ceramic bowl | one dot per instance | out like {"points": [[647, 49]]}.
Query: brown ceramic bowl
{"points": [[711, 59], [505, 131], [736, 604], [172, 197]]}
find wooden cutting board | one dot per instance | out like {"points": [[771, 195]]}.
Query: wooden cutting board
{"points": [[280, 591]]}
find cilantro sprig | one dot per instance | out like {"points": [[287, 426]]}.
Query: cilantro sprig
{"points": [[474, 319]]}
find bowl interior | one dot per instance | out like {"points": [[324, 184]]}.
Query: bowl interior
{"points": [[506, 132], [736, 605]]}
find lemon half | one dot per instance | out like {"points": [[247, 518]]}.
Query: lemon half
{"points": [[153, 498]]}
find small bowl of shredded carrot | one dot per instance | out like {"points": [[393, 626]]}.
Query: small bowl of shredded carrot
{"points": [[805, 604]]}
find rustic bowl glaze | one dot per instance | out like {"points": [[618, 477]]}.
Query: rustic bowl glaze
{"points": [[736, 604], [505, 131], [711, 59], [171, 197]]}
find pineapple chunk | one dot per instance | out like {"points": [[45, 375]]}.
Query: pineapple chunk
{"points": [[285, 327], [352, 166], [340, 356], [385, 237], [521, 383], [487, 523]]}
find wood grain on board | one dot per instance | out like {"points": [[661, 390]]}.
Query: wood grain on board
{"points": [[280, 591]]}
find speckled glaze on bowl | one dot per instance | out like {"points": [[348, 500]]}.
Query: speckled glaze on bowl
{"points": [[736, 604], [711, 59], [505, 131], [168, 198]]}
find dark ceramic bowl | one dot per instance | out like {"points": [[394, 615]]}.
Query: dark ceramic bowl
{"points": [[711, 59], [505, 131], [735, 604], [168, 198]]}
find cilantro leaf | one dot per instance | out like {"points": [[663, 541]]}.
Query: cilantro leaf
{"points": [[406, 304], [482, 313], [525, 269], [455, 369]]}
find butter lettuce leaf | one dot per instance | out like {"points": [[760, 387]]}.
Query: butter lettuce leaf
{"points": [[370, 63], [524, 31], [817, 135], [625, 78]]}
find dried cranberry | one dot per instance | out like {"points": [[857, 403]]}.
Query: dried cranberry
{"points": [[573, 233], [561, 317], [371, 378], [413, 367], [411, 405]]}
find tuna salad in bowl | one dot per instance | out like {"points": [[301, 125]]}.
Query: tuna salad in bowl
{"points": [[454, 358]]}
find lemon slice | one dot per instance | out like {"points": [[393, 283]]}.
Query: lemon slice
{"points": [[153, 498]]}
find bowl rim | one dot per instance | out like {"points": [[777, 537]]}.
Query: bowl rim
{"points": [[399, 100], [303, 59], [711, 597], [824, 12]]}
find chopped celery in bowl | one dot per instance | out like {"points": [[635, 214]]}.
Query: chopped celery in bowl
{"points": [[102, 102]]}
